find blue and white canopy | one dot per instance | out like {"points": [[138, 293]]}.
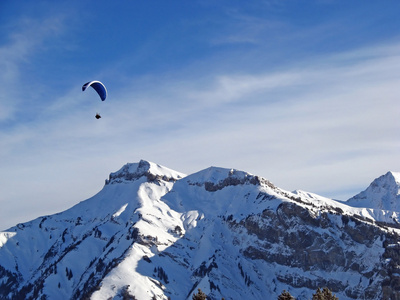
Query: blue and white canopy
{"points": [[98, 87]]}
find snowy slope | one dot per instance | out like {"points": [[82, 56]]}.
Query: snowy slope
{"points": [[63, 252], [154, 233]]}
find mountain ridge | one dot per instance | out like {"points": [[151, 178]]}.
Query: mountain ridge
{"points": [[154, 233]]}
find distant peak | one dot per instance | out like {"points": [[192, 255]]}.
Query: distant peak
{"points": [[144, 168], [394, 176], [382, 193], [391, 181]]}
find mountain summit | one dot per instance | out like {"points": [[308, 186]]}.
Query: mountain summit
{"points": [[383, 193], [154, 233], [133, 171]]}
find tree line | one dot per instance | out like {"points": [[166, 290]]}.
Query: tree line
{"points": [[324, 294]]}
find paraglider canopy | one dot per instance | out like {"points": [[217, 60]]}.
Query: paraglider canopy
{"points": [[98, 87]]}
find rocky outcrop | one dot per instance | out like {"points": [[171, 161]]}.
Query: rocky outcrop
{"points": [[292, 236], [233, 178]]}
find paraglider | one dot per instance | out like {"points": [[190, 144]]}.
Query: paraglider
{"points": [[99, 88]]}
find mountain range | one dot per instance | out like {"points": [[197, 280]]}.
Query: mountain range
{"points": [[155, 233]]}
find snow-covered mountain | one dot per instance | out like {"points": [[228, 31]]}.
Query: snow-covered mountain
{"points": [[383, 193], [154, 233]]}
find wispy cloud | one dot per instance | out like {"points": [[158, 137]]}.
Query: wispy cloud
{"points": [[27, 38], [313, 120], [322, 123]]}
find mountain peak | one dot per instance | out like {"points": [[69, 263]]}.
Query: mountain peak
{"points": [[215, 178], [395, 175], [144, 168], [382, 193]]}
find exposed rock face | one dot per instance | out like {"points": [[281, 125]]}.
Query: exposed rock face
{"points": [[234, 179], [293, 237], [153, 233]]}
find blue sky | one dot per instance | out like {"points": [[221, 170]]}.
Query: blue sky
{"points": [[303, 93]]}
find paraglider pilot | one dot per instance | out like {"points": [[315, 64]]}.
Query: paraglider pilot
{"points": [[99, 88]]}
